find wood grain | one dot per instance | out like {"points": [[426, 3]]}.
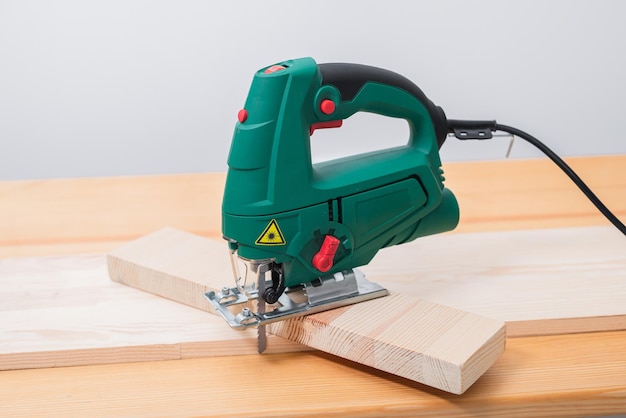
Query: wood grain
{"points": [[70, 216], [558, 376], [65, 311], [574, 375], [535, 194], [183, 271], [538, 281], [67, 288], [426, 342]]}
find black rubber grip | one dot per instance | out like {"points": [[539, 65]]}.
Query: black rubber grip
{"points": [[349, 78]]}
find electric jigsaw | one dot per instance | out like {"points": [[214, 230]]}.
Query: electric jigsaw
{"points": [[296, 231]]}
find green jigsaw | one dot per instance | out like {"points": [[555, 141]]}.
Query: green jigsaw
{"points": [[297, 230]]}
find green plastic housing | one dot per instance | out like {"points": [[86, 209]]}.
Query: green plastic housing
{"points": [[368, 201]]}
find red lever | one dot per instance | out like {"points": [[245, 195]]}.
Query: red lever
{"points": [[323, 259], [324, 125]]}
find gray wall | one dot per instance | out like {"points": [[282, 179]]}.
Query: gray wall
{"points": [[140, 87]]}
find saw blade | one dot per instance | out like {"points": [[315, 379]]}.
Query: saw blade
{"points": [[261, 333]]}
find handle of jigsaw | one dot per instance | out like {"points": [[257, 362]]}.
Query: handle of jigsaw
{"points": [[373, 89]]}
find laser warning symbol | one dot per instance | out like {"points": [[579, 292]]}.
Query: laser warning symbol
{"points": [[271, 235]]}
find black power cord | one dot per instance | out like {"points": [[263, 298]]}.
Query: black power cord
{"points": [[470, 129]]}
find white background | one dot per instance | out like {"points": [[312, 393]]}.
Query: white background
{"points": [[101, 88]]}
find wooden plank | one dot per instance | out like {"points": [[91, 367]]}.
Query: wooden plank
{"points": [[183, 267], [426, 342], [539, 282], [68, 290], [535, 194], [546, 292], [82, 215], [70, 216], [549, 376], [65, 311], [565, 375]]}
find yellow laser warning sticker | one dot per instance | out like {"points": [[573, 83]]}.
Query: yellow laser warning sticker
{"points": [[271, 235]]}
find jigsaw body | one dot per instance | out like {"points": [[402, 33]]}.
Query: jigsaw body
{"points": [[293, 225]]}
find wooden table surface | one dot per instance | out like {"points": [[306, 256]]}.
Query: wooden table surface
{"points": [[558, 375]]}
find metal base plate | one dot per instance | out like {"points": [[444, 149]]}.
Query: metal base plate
{"points": [[340, 289]]}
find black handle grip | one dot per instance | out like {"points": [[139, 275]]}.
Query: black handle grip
{"points": [[349, 78]]}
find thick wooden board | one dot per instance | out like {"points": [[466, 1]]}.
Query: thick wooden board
{"points": [[65, 311], [539, 282], [426, 342], [433, 344]]}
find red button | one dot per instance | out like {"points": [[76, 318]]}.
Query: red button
{"points": [[242, 115], [273, 69], [327, 106]]}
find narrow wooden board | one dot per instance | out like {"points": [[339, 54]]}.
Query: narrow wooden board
{"points": [[173, 264], [553, 281], [429, 343], [426, 342], [65, 311], [534, 312]]}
